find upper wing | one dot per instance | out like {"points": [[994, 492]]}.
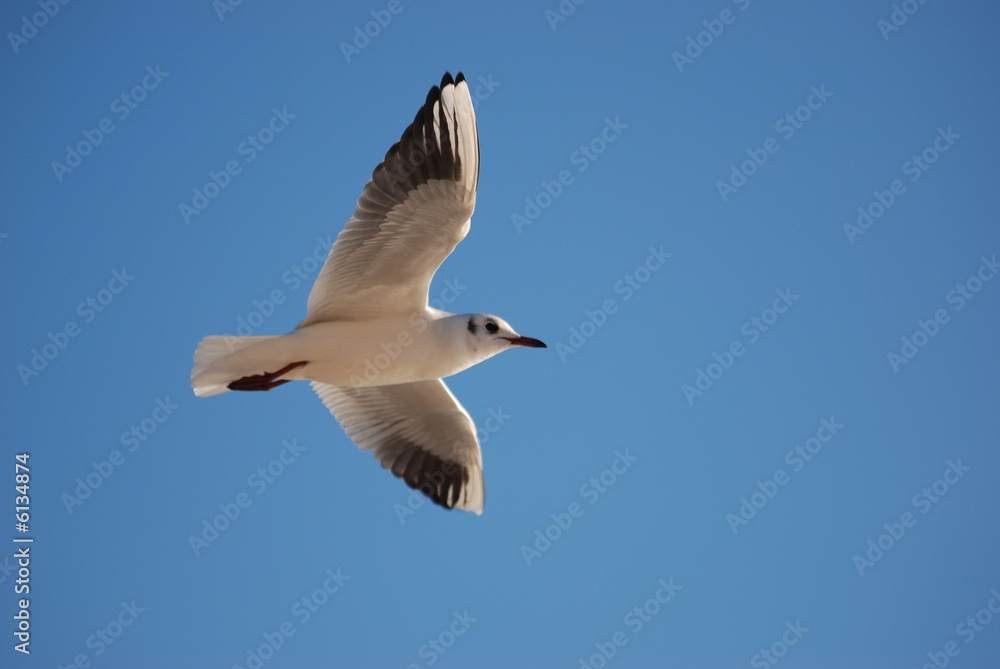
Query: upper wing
{"points": [[412, 213], [419, 432]]}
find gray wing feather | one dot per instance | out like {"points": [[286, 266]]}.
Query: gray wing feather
{"points": [[412, 213], [419, 432]]}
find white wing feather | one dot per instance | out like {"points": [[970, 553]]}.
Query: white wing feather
{"points": [[419, 432], [415, 209]]}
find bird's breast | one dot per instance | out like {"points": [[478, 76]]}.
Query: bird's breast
{"points": [[375, 353]]}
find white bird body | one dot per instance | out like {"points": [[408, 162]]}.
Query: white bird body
{"points": [[426, 345], [373, 348]]}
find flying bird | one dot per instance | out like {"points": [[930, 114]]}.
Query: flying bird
{"points": [[374, 349]]}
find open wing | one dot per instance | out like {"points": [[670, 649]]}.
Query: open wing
{"points": [[419, 432], [411, 214]]}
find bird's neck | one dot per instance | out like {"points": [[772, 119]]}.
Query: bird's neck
{"points": [[466, 350]]}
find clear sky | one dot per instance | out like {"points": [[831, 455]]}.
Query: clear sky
{"points": [[760, 239]]}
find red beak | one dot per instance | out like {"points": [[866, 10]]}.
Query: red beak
{"points": [[526, 341]]}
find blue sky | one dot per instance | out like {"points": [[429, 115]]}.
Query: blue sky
{"points": [[759, 238]]}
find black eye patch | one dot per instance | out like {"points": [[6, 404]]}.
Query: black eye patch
{"points": [[492, 327]]}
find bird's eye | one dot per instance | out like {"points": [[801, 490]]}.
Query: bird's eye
{"points": [[492, 327]]}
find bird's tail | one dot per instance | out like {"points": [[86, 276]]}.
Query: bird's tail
{"points": [[216, 363]]}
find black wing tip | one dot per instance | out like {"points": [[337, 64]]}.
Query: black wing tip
{"points": [[434, 94], [419, 156], [447, 80], [441, 481]]}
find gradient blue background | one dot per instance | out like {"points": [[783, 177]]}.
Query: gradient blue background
{"points": [[565, 416]]}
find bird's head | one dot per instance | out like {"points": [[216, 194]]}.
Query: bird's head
{"points": [[491, 335]]}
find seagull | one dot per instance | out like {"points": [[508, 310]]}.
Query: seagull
{"points": [[372, 347]]}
